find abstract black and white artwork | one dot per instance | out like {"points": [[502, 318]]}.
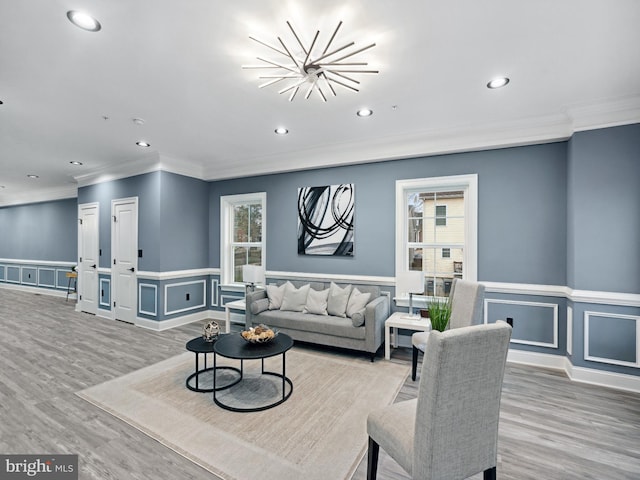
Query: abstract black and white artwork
{"points": [[325, 220]]}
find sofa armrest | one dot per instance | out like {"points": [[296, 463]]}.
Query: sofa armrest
{"points": [[252, 302], [375, 314]]}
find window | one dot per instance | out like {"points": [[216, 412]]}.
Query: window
{"points": [[242, 230], [436, 230], [441, 215]]}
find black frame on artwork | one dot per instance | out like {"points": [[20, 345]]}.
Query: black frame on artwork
{"points": [[325, 220]]}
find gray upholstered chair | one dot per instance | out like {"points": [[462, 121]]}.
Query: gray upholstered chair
{"points": [[467, 305], [450, 431]]}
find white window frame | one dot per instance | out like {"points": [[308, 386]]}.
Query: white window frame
{"points": [[466, 183], [227, 204]]}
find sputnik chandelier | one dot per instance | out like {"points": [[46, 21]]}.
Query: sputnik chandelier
{"points": [[313, 67]]}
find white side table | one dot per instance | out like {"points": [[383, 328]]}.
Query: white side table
{"points": [[235, 305], [400, 320]]}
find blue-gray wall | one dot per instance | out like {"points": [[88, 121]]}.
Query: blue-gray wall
{"points": [[559, 214], [184, 223], [604, 210], [40, 231], [172, 219], [522, 213], [147, 188]]}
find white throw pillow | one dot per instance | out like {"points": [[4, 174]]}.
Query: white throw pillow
{"points": [[317, 302], [294, 298], [275, 294], [338, 299], [357, 301]]}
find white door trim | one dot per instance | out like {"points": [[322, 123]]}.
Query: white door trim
{"points": [[115, 289], [82, 305]]}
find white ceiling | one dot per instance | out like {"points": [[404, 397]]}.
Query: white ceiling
{"points": [[573, 65]]}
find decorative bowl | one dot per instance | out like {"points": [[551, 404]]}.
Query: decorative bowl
{"points": [[259, 334]]}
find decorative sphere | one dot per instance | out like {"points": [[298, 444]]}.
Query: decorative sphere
{"points": [[211, 331]]}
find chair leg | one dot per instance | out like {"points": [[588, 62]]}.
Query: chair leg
{"points": [[372, 459], [414, 363], [490, 474]]}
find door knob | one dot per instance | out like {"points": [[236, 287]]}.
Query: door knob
{"points": [[93, 266], [132, 269]]}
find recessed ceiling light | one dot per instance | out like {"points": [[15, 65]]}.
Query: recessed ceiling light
{"points": [[498, 82], [75, 163], [33, 176], [143, 144], [364, 112], [281, 131], [83, 21]]}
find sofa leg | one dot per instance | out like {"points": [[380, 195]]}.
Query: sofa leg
{"points": [[414, 363], [373, 356], [372, 459], [490, 474]]}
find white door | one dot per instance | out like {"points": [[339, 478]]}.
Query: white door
{"points": [[124, 250], [88, 258]]}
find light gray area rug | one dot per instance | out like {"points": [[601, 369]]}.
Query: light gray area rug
{"points": [[318, 433]]}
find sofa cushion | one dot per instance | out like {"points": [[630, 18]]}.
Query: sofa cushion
{"points": [[338, 299], [357, 301], [317, 302], [259, 306], [357, 318], [275, 294], [294, 298], [325, 324]]}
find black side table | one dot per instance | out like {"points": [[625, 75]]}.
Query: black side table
{"points": [[199, 346]]}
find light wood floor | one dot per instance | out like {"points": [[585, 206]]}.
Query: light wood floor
{"points": [[550, 427]]}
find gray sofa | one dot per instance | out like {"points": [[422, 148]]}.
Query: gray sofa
{"points": [[325, 329]]}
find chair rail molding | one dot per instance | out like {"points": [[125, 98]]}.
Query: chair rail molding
{"points": [[196, 272], [578, 296]]}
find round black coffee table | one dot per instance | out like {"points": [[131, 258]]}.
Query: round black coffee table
{"points": [[235, 347], [201, 347]]}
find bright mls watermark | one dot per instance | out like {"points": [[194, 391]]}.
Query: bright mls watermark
{"points": [[49, 467]]}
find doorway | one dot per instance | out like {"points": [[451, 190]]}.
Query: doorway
{"points": [[124, 252], [88, 257]]}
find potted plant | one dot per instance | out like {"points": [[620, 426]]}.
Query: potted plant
{"points": [[439, 312]]}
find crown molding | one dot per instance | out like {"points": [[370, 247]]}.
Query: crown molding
{"points": [[142, 164], [604, 114], [38, 196], [152, 162], [395, 147], [462, 138]]}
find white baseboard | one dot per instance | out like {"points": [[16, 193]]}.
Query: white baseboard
{"points": [[557, 362], [619, 381], [39, 290], [178, 321], [103, 313]]}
